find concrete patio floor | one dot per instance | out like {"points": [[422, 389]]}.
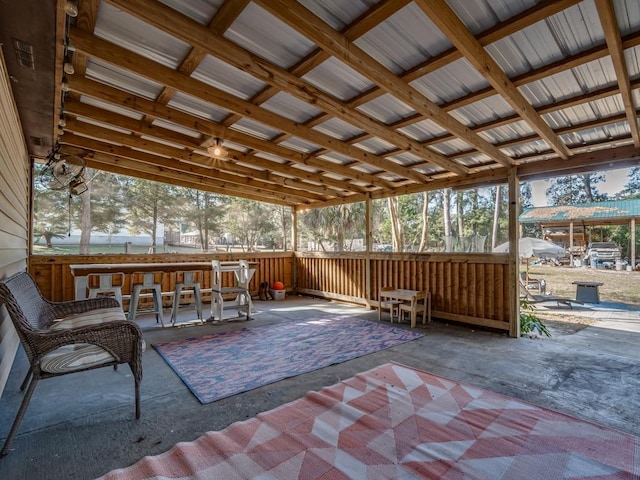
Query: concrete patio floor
{"points": [[81, 426]]}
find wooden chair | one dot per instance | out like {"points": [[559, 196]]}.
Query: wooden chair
{"points": [[67, 337], [391, 304], [421, 304]]}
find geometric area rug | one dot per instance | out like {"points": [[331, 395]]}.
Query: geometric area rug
{"points": [[223, 364], [398, 422]]}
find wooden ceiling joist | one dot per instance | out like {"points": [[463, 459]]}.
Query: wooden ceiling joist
{"points": [[298, 17], [428, 149]]}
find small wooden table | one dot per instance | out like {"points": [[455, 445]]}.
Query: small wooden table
{"points": [[587, 292], [398, 296]]}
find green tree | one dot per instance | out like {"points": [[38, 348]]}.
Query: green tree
{"points": [[50, 211], [335, 225], [632, 187], [574, 189], [148, 203], [205, 210], [249, 222]]}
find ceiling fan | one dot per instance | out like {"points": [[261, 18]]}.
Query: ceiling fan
{"points": [[64, 170]]}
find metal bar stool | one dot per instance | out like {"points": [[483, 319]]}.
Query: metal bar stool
{"points": [[186, 283], [146, 281], [99, 283]]}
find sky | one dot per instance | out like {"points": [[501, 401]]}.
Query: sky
{"points": [[614, 183]]}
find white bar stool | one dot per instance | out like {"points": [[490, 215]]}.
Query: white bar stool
{"points": [[99, 283], [186, 283], [146, 281]]}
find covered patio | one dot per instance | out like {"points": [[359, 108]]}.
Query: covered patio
{"points": [[310, 104], [591, 373]]}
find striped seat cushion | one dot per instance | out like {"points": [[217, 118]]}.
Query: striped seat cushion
{"points": [[92, 317], [81, 355], [74, 357]]}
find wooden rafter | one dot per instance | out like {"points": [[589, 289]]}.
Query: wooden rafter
{"points": [[271, 170], [449, 23], [611, 33], [298, 17], [191, 32], [151, 70], [156, 110]]}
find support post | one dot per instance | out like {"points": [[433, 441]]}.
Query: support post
{"points": [[294, 245], [632, 232], [514, 210], [571, 243], [369, 240]]}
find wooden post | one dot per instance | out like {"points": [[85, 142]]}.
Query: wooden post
{"points": [[632, 232], [294, 245], [369, 241], [571, 243], [514, 209]]}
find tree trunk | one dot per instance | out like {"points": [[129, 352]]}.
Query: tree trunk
{"points": [[587, 187], [396, 229], [459, 217], [424, 235], [85, 222], [446, 218], [496, 218]]}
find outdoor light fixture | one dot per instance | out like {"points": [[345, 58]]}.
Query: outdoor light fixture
{"points": [[217, 150], [71, 8], [62, 122], [65, 84]]}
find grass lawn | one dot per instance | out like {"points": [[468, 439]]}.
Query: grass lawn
{"points": [[618, 286]]}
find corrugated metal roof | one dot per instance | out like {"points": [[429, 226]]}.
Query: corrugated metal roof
{"points": [[614, 209], [402, 40]]}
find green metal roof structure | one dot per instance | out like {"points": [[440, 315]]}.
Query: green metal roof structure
{"points": [[597, 213]]}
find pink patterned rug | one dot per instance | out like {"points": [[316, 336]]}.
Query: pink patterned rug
{"points": [[398, 422]]}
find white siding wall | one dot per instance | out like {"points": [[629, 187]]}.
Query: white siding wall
{"points": [[14, 211]]}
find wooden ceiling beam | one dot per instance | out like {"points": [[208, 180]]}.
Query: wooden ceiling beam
{"points": [[155, 72], [156, 110], [298, 17], [221, 21], [123, 167], [450, 24], [612, 35], [180, 160], [554, 68], [600, 51], [501, 30], [189, 31], [371, 18]]}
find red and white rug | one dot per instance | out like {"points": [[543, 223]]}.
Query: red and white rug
{"points": [[398, 422]]}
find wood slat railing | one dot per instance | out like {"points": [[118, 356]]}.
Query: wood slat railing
{"points": [[53, 275], [469, 288]]}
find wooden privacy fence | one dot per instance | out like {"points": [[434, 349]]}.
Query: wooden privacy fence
{"points": [[469, 288]]}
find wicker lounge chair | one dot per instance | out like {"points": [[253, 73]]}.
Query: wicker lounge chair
{"points": [[68, 337]]}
